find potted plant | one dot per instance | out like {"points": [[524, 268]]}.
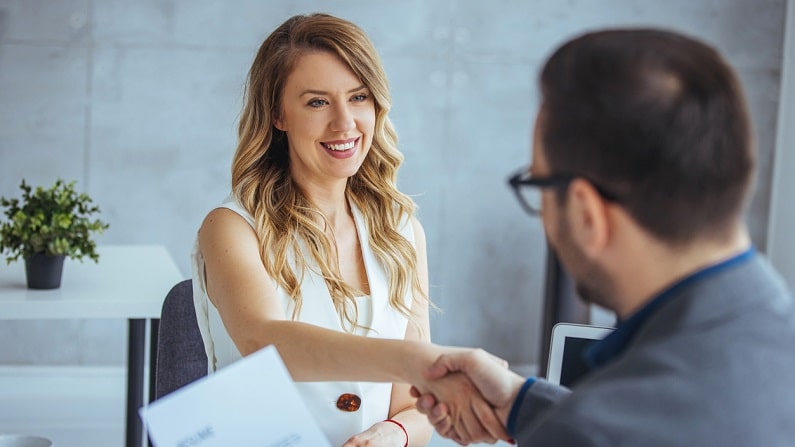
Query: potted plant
{"points": [[44, 227]]}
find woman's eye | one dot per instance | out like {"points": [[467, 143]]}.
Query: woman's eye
{"points": [[317, 103], [360, 97]]}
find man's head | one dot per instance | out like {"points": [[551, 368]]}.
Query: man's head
{"points": [[657, 120], [648, 129]]}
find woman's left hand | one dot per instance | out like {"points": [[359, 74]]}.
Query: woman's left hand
{"points": [[382, 434]]}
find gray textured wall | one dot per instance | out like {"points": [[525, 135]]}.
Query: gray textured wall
{"points": [[138, 102]]}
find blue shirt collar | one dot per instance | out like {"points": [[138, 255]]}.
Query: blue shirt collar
{"points": [[602, 352]]}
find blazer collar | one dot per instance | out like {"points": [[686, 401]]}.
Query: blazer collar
{"points": [[705, 295]]}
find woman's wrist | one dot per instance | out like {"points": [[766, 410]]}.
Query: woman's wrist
{"points": [[400, 427], [413, 360]]}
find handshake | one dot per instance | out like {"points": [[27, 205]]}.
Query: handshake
{"points": [[467, 395]]}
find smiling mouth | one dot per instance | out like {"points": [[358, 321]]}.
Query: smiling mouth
{"points": [[341, 147]]}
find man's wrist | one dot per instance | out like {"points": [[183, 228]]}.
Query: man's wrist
{"points": [[520, 389]]}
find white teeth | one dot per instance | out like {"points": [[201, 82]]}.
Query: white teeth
{"points": [[340, 147]]}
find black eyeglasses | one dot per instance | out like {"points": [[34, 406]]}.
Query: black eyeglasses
{"points": [[528, 188]]}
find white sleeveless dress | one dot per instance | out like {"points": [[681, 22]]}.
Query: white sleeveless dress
{"points": [[317, 308]]}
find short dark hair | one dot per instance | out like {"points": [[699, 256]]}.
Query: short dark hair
{"points": [[658, 119]]}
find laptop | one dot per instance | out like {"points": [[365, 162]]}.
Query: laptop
{"points": [[566, 350]]}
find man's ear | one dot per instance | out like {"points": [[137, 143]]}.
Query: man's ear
{"points": [[588, 217]]}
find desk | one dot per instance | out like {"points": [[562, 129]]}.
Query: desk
{"points": [[129, 282]]}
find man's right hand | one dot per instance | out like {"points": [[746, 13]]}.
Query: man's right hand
{"points": [[489, 374]]}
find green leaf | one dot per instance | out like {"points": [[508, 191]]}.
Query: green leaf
{"points": [[54, 220]]}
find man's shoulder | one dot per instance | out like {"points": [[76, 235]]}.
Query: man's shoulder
{"points": [[663, 391]]}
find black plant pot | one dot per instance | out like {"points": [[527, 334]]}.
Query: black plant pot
{"points": [[44, 271]]}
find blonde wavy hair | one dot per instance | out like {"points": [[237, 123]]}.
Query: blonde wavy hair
{"points": [[285, 219]]}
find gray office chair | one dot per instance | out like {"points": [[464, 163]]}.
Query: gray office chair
{"points": [[180, 351]]}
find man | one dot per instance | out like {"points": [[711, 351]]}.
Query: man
{"points": [[643, 164]]}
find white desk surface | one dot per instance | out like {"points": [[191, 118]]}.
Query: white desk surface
{"points": [[130, 281]]}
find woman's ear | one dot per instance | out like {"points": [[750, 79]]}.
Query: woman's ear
{"points": [[588, 217], [278, 122]]}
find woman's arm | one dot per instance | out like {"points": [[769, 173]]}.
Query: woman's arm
{"points": [[246, 299]]}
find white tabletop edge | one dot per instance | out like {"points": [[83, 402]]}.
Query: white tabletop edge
{"points": [[130, 281]]}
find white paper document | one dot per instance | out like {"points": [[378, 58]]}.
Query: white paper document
{"points": [[252, 402]]}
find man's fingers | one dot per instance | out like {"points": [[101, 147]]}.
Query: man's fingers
{"points": [[457, 438], [499, 360], [473, 427], [460, 435], [488, 419]]}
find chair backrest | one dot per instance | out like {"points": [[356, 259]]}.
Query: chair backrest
{"points": [[181, 358]]}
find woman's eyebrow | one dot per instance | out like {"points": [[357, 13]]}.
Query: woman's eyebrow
{"points": [[322, 92]]}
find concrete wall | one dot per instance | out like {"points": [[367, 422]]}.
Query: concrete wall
{"points": [[138, 102]]}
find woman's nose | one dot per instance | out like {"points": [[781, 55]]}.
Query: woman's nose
{"points": [[343, 119]]}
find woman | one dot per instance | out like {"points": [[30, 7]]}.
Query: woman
{"points": [[316, 251]]}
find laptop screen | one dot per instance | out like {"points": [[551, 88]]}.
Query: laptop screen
{"points": [[567, 349], [573, 366]]}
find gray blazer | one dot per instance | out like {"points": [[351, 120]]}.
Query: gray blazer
{"points": [[713, 366]]}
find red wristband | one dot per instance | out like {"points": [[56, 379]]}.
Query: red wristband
{"points": [[402, 428]]}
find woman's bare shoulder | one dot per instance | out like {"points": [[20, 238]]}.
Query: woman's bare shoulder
{"points": [[226, 230]]}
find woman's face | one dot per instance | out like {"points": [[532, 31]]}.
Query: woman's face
{"points": [[329, 117]]}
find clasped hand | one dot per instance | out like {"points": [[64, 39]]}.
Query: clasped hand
{"points": [[467, 396]]}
